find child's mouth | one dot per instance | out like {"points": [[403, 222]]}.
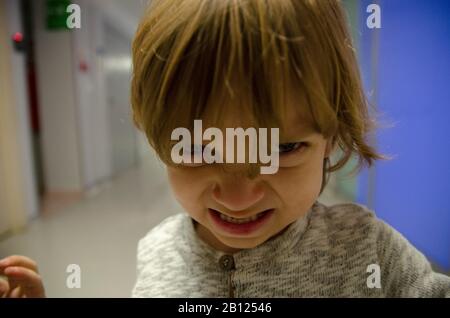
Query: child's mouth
{"points": [[240, 225], [240, 220]]}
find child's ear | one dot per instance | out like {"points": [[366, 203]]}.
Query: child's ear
{"points": [[330, 147]]}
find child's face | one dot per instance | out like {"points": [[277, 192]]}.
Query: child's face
{"points": [[205, 190]]}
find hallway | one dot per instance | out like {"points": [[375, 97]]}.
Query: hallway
{"points": [[98, 233]]}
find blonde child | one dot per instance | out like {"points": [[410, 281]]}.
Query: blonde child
{"points": [[263, 63]]}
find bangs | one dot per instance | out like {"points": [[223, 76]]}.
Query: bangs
{"points": [[196, 59]]}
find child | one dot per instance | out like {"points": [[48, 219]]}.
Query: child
{"points": [[263, 63], [286, 64]]}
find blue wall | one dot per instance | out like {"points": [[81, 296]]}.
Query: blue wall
{"points": [[410, 70]]}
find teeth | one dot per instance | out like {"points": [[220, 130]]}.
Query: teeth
{"points": [[239, 221]]}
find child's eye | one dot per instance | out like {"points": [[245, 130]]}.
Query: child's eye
{"points": [[290, 147], [196, 149]]}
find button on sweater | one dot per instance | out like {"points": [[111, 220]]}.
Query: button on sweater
{"points": [[333, 251]]}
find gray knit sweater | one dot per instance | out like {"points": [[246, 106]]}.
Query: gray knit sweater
{"points": [[327, 253]]}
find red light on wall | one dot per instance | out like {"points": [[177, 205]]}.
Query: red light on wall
{"points": [[17, 37], [83, 66]]}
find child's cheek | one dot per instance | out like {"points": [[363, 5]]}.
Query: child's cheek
{"points": [[186, 186], [298, 184]]}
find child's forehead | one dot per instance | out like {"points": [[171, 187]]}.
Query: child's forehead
{"points": [[231, 111]]}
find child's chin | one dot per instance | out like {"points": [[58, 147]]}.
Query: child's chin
{"points": [[243, 243]]}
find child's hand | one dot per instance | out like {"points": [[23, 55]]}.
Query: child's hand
{"points": [[23, 278]]}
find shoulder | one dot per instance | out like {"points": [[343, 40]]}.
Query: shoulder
{"points": [[335, 213], [406, 271], [344, 222], [160, 258], [351, 237], [355, 225], [337, 248], [164, 230], [162, 236]]}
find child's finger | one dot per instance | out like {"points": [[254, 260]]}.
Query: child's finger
{"points": [[16, 293], [29, 280], [18, 260], [4, 288], [23, 275]]}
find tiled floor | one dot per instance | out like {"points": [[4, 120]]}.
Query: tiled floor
{"points": [[100, 233]]}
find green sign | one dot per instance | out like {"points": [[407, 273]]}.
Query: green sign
{"points": [[57, 14]]}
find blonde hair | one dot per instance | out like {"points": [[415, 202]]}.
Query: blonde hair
{"points": [[186, 52]]}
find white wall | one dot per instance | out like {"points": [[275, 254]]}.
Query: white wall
{"points": [[17, 185], [57, 104], [78, 135], [117, 69], [94, 133], [123, 14], [20, 92], [76, 125]]}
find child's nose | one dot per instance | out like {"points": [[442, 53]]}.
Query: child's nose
{"points": [[239, 194]]}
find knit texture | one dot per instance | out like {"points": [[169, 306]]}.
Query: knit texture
{"points": [[324, 254]]}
